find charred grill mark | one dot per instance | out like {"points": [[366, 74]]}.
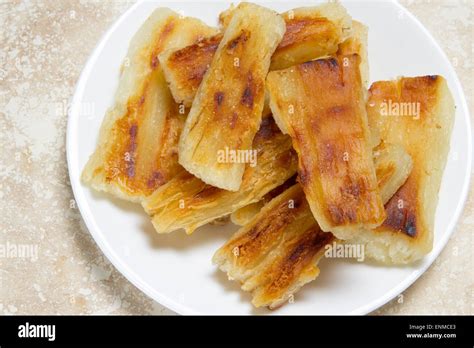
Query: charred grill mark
{"points": [[233, 120], [280, 189], [263, 229], [160, 42], [249, 92], [239, 40], [333, 63], [211, 44], [157, 179], [402, 219], [154, 62], [141, 101], [302, 29], [410, 225], [343, 207], [296, 253], [315, 126], [295, 27], [303, 175], [197, 74], [314, 239], [396, 218], [267, 130], [306, 65], [133, 134], [328, 156], [431, 78], [340, 215], [352, 190], [269, 227], [196, 58], [301, 253], [130, 156], [204, 48], [247, 97], [338, 110], [119, 159], [206, 192], [219, 98], [280, 216]]}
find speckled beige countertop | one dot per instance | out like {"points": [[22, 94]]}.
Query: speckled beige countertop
{"points": [[44, 46]]}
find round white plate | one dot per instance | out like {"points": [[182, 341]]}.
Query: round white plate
{"points": [[176, 269]]}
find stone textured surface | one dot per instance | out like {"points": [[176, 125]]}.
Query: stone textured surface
{"points": [[44, 46]]}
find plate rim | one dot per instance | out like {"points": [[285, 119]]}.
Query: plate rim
{"points": [[127, 272]]}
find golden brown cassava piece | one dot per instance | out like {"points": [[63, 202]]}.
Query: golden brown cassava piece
{"points": [[243, 215], [184, 68], [417, 113], [225, 16], [357, 43], [137, 147], [186, 202], [321, 105], [227, 110], [277, 252], [311, 32], [278, 249], [392, 167]]}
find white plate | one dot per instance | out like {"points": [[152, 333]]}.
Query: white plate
{"points": [[176, 269]]}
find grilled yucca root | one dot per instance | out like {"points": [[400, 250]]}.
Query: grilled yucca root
{"points": [[137, 147], [311, 32], [321, 105], [392, 167], [227, 110], [357, 43], [243, 215], [186, 202], [277, 252], [184, 68], [417, 113], [278, 249]]}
